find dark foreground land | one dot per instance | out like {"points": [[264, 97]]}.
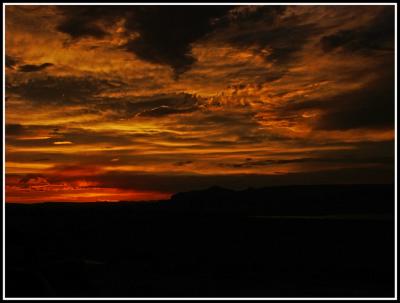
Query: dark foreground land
{"points": [[308, 241]]}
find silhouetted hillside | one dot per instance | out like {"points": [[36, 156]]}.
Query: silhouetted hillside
{"points": [[295, 241], [290, 200]]}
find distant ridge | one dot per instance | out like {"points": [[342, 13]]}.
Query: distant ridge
{"points": [[293, 200]]}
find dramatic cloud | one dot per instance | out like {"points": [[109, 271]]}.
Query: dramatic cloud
{"points": [[128, 102]]}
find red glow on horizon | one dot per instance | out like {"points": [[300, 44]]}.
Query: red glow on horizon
{"points": [[96, 194]]}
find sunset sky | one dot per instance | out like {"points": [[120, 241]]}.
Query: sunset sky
{"points": [[140, 102]]}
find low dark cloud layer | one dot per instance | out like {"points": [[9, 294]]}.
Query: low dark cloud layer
{"points": [[262, 163], [10, 62], [176, 183], [29, 68], [376, 35], [371, 107], [58, 90], [14, 129]]}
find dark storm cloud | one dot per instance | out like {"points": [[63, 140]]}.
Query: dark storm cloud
{"points": [[362, 109], [14, 129], [377, 35], [371, 107], [165, 32], [267, 28], [28, 68], [86, 21], [59, 90], [77, 30], [284, 41]]}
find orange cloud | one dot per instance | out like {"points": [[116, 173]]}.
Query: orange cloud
{"points": [[300, 90]]}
